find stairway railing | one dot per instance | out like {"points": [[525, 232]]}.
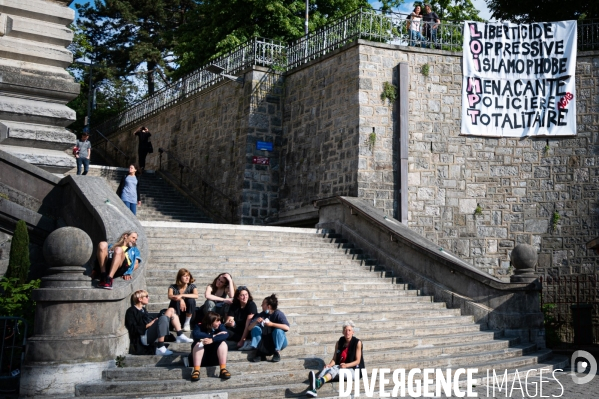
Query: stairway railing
{"points": [[213, 201], [12, 352], [110, 151]]}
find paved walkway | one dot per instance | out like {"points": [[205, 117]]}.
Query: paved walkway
{"points": [[551, 388]]}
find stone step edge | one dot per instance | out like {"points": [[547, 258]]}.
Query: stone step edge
{"points": [[274, 229]]}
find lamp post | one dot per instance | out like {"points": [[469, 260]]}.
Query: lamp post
{"points": [[307, 17], [90, 95]]}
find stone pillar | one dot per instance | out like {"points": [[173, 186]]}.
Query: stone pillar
{"points": [[34, 85], [524, 259], [78, 329]]}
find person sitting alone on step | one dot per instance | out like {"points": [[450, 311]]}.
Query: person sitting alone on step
{"points": [[120, 258], [219, 295], [209, 347], [268, 330], [240, 316], [183, 295], [347, 355], [146, 334]]}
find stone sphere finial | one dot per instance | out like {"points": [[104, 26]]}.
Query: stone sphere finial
{"points": [[66, 250], [524, 258], [68, 246]]}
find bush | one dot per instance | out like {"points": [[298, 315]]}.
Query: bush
{"points": [[18, 261]]}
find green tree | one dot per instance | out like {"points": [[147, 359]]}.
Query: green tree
{"points": [[215, 27], [128, 34], [454, 10], [18, 261], [527, 11]]}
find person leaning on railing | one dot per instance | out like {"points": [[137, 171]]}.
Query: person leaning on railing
{"points": [[431, 23], [413, 26]]}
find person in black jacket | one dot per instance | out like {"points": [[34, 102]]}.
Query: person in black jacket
{"points": [[144, 145], [209, 347], [129, 189], [146, 334], [347, 355]]}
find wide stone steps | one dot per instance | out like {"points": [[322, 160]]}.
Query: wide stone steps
{"points": [[321, 281], [159, 200]]}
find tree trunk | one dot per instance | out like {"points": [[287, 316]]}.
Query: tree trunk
{"points": [[151, 68]]}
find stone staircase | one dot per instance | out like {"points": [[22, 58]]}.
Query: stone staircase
{"points": [[159, 200], [321, 281]]}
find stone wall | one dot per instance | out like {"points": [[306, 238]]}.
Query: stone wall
{"points": [[518, 184], [320, 153]]}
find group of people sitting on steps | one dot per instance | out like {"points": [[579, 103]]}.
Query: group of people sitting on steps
{"points": [[228, 319], [229, 314]]}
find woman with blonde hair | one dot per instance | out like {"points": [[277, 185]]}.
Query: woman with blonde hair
{"points": [[347, 355], [219, 295], [183, 295], [146, 334], [122, 257]]}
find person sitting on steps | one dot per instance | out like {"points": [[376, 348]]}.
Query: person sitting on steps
{"points": [[146, 334], [122, 257], [347, 355], [219, 295], [209, 347], [240, 316], [268, 330], [183, 295]]}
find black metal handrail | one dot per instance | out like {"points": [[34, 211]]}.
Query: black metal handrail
{"points": [[115, 149], [12, 351], [206, 190]]}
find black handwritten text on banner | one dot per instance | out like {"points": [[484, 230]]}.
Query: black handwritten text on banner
{"points": [[519, 79]]}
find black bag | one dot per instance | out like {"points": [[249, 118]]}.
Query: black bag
{"points": [[267, 344], [150, 147]]}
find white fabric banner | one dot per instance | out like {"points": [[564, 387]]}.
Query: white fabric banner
{"points": [[519, 79]]}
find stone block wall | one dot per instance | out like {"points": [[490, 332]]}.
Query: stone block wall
{"points": [[321, 124], [516, 184]]}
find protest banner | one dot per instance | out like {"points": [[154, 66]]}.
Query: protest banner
{"points": [[519, 79]]}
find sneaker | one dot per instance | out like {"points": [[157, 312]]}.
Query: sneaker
{"points": [[276, 357], [247, 346], [163, 351], [108, 284], [318, 383], [183, 339], [312, 393], [186, 327], [312, 381]]}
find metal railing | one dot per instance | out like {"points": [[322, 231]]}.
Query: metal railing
{"points": [[391, 28], [258, 51], [12, 352], [110, 151], [588, 34], [211, 199], [571, 303]]}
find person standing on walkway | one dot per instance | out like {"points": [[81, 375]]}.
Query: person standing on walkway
{"points": [[83, 153], [431, 24], [129, 189], [144, 146]]}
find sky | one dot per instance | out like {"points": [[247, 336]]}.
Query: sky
{"points": [[406, 7]]}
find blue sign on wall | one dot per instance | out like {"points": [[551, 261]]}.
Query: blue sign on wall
{"points": [[264, 145]]}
